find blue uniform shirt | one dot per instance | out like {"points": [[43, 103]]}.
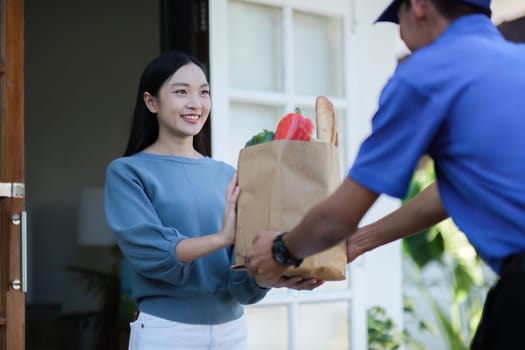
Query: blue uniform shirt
{"points": [[460, 100]]}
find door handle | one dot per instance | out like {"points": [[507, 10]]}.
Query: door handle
{"points": [[21, 219]]}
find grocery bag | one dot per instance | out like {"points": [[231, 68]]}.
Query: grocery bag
{"points": [[279, 182]]}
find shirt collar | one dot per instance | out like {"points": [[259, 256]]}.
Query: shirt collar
{"points": [[476, 24]]}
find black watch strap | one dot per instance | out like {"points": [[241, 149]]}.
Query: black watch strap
{"points": [[281, 254]]}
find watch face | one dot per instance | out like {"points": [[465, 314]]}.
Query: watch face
{"points": [[279, 257], [279, 252]]}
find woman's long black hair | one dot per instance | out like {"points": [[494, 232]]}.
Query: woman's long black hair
{"points": [[145, 126]]}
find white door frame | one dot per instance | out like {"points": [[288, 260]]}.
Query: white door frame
{"points": [[371, 57]]}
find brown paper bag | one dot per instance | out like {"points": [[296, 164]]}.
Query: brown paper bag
{"points": [[280, 181]]}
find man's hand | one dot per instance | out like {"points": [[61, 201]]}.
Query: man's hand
{"points": [[296, 282], [259, 260]]}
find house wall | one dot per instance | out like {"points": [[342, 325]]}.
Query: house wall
{"points": [[83, 61], [505, 10]]}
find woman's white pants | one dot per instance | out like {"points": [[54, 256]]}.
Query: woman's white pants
{"points": [[153, 333]]}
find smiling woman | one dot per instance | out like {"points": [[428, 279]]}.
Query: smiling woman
{"points": [[166, 204]]}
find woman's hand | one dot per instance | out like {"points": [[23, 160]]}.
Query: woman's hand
{"points": [[193, 248], [227, 232]]}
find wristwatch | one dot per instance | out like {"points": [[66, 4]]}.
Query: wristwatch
{"points": [[281, 254]]}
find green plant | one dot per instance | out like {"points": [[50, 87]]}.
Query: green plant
{"points": [[459, 267], [383, 333]]}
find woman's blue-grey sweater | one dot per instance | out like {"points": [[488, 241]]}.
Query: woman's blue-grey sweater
{"points": [[153, 202]]}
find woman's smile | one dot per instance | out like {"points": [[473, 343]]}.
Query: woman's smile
{"points": [[191, 118]]}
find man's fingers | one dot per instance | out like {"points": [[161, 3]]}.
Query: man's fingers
{"points": [[300, 283], [251, 268]]}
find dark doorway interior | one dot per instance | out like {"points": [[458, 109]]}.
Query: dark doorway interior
{"points": [[83, 63], [185, 28]]}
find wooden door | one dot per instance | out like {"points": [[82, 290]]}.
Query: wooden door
{"points": [[12, 218]]}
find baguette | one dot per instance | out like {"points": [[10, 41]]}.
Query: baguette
{"points": [[326, 127]]}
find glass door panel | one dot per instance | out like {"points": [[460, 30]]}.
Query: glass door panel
{"points": [[250, 119], [272, 325], [333, 335], [318, 55], [255, 47]]}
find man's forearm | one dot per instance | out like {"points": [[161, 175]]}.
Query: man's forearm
{"points": [[421, 212], [330, 221]]}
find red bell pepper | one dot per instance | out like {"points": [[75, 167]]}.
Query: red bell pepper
{"points": [[294, 126]]}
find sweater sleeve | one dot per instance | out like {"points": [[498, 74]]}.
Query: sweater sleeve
{"points": [[144, 241], [243, 287]]}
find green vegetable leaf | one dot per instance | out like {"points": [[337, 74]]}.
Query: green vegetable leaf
{"points": [[263, 136]]}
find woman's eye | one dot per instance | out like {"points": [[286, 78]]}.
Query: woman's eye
{"points": [[180, 92], [205, 92]]}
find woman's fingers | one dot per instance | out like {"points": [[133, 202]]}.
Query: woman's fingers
{"points": [[232, 191]]}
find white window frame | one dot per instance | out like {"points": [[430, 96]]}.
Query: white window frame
{"points": [[370, 58]]}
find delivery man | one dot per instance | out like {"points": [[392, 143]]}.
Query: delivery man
{"points": [[459, 98]]}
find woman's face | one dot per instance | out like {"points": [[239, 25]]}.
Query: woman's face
{"points": [[183, 102]]}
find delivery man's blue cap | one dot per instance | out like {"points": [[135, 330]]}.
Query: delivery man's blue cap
{"points": [[390, 14]]}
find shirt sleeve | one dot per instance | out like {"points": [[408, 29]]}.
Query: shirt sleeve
{"points": [[243, 287], [144, 241], [403, 127]]}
